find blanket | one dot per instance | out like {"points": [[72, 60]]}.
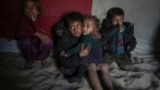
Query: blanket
{"points": [[13, 77]]}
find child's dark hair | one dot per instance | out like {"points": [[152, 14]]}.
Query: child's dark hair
{"points": [[72, 17], [115, 11], [94, 19], [22, 5]]}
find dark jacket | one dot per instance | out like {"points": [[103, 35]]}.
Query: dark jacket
{"points": [[109, 34], [65, 42]]}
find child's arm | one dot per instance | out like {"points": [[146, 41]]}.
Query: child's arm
{"points": [[86, 41], [108, 30], [63, 53], [96, 35], [131, 40], [74, 50], [83, 51]]}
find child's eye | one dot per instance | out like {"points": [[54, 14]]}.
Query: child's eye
{"points": [[88, 26], [79, 26], [71, 27]]}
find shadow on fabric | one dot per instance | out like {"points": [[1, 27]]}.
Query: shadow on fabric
{"points": [[156, 44]]}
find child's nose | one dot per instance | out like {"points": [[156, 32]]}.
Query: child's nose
{"points": [[85, 28]]}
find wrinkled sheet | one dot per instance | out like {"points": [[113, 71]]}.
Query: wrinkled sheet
{"points": [[13, 77], [141, 77]]}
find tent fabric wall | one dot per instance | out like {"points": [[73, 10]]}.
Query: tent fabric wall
{"points": [[8, 18], [54, 10]]}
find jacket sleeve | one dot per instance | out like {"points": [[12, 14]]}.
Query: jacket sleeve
{"points": [[131, 40], [108, 31], [71, 61], [74, 50], [63, 46], [41, 26]]}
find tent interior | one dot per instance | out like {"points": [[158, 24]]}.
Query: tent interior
{"points": [[144, 14]]}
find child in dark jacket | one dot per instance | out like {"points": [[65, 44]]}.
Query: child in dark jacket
{"points": [[69, 34], [118, 38], [94, 59], [91, 25]]}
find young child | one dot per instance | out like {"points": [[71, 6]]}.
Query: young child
{"points": [[94, 59], [71, 28], [34, 40], [91, 25], [118, 38]]}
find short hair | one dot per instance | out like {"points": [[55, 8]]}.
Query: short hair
{"points": [[94, 19], [22, 5], [115, 11], [72, 17]]}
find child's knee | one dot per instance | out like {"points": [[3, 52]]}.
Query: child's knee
{"points": [[92, 67], [104, 67]]}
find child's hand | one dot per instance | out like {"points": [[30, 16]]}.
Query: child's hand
{"points": [[33, 17], [63, 53], [105, 47], [44, 38], [84, 51], [120, 22], [114, 22], [128, 47], [96, 35]]}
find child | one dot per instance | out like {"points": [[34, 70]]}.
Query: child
{"points": [[118, 38], [94, 59], [71, 66], [35, 42], [90, 26]]}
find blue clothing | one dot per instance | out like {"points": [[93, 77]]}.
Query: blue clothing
{"points": [[120, 48]]}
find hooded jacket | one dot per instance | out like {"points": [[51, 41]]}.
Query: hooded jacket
{"points": [[109, 34]]}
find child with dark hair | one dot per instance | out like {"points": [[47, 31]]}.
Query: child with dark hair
{"points": [[90, 25], [118, 38], [34, 39], [71, 29], [94, 59]]}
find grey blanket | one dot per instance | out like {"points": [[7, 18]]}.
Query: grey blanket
{"points": [[13, 77]]}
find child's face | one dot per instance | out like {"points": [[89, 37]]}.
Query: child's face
{"points": [[76, 28], [89, 27], [117, 20], [31, 9]]}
